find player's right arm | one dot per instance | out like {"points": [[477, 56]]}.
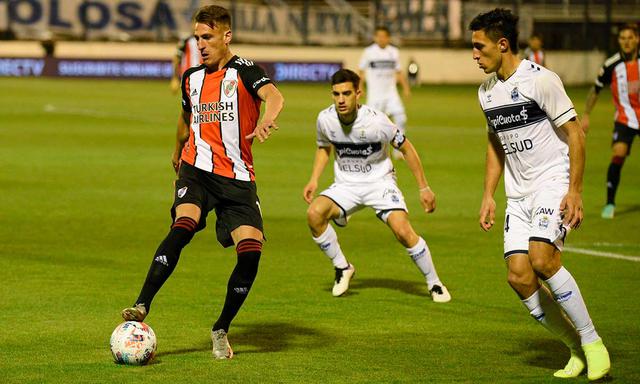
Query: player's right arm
{"points": [[493, 171], [182, 135], [592, 97], [319, 163]]}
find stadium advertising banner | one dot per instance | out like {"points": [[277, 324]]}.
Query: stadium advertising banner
{"points": [[149, 69], [166, 20]]}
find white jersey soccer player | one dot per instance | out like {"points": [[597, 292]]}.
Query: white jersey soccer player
{"points": [[364, 177], [380, 63], [535, 138]]}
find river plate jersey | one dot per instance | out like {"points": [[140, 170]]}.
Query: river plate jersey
{"points": [[380, 66], [624, 78], [362, 148], [525, 112], [224, 107]]}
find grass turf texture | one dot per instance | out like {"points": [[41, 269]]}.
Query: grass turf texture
{"points": [[86, 186]]}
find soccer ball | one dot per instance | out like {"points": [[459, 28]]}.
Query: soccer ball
{"points": [[133, 343]]}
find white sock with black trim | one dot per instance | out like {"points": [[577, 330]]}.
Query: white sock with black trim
{"points": [[421, 256], [328, 243], [567, 294]]}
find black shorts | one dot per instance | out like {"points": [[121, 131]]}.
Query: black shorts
{"points": [[624, 134], [236, 202]]}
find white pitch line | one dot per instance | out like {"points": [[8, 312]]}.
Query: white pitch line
{"points": [[609, 255]]}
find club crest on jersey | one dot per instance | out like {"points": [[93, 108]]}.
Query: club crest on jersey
{"points": [[362, 135], [229, 87], [514, 94]]}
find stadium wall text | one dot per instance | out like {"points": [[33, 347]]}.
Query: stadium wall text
{"points": [[147, 69], [164, 20]]}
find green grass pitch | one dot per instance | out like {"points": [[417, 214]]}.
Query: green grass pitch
{"points": [[86, 186]]}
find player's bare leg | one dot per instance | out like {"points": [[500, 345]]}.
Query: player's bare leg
{"points": [[319, 213], [165, 259], [419, 252], [545, 260]]}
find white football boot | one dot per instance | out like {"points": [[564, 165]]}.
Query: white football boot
{"points": [[221, 347], [343, 277], [440, 293]]}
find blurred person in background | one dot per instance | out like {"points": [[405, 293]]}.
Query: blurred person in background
{"points": [[534, 51], [381, 71], [622, 73], [187, 56]]}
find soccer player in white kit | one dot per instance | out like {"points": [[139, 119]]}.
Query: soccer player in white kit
{"points": [[364, 177], [380, 67], [535, 138]]}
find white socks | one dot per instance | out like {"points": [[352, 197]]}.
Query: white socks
{"points": [[567, 294], [547, 312], [328, 243], [421, 256]]}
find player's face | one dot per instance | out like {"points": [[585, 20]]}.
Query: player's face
{"points": [[213, 43], [628, 41], [345, 98], [381, 38], [486, 52], [535, 44]]}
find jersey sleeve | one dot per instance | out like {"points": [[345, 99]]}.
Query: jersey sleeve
{"points": [[254, 78], [390, 132], [321, 139], [364, 61], [552, 98], [604, 77], [186, 100]]}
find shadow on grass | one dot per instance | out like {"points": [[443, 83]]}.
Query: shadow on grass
{"points": [[276, 337], [625, 210], [417, 288], [545, 353], [262, 338]]}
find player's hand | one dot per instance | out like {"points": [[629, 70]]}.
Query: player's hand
{"points": [[174, 85], [571, 209], [263, 130], [175, 161], [584, 123], [309, 191], [487, 213], [428, 199]]}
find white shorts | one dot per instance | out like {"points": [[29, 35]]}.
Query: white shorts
{"points": [[383, 196], [391, 105], [536, 217]]}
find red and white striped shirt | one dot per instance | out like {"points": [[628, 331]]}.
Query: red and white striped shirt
{"points": [[624, 78], [224, 107], [188, 54]]}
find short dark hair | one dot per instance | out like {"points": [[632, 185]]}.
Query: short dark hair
{"points": [[382, 28], [629, 26], [213, 15], [497, 24], [346, 76]]}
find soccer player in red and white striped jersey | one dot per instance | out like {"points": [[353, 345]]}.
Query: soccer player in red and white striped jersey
{"points": [[622, 73], [221, 108], [187, 56]]}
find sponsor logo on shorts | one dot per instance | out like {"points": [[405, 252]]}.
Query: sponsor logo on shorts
{"points": [[395, 198], [543, 223], [564, 297], [181, 192]]}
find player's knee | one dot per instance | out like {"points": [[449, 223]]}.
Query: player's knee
{"points": [[543, 267], [182, 231], [316, 217], [521, 280]]}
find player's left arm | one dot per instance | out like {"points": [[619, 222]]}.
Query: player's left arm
{"points": [[273, 104], [427, 197], [404, 83], [571, 205]]}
